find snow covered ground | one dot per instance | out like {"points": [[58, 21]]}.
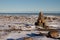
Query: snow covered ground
{"points": [[22, 34], [24, 23]]}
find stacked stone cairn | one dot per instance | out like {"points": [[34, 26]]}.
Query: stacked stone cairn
{"points": [[41, 21]]}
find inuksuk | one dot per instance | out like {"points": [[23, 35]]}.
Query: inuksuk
{"points": [[41, 21]]}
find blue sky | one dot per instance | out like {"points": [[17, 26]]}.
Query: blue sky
{"points": [[13, 6]]}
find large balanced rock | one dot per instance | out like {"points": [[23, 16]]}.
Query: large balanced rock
{"points": [[41, 20]]}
